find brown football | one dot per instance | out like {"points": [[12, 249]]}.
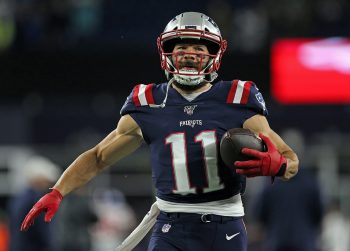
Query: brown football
{"points": [[234, 140]]}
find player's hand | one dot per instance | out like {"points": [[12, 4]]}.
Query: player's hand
{"points": [[269, 163], [49, 203]]}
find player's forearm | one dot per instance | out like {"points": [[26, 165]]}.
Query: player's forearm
{"points": [[81, 171], [292, 165]]}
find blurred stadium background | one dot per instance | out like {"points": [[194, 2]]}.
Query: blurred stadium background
{"points": [[67, 66]]}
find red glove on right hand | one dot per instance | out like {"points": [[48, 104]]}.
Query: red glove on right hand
{"points": [[270, 163], [48, 203]]}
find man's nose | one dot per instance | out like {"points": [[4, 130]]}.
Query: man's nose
{"points": [[190, 54]]}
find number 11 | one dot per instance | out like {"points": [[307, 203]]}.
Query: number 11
{"points": [[182, 179]]}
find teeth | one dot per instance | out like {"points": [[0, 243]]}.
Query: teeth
{"points": [[188, 70]]}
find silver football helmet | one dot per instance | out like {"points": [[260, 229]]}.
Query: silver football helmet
{"points": [[191, 27]]}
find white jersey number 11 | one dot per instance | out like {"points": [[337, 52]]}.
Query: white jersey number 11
{"points": [[178, 147]]}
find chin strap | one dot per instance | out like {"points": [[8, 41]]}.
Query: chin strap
{"points": [[162, 105], [190, 80]]}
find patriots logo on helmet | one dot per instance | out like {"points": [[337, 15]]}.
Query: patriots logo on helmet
{"points": [[212, 22]]}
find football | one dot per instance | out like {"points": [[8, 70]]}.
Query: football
{"points": [[234, 140]]}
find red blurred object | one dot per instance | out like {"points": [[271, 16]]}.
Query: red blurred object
{"points": [[4, 237], [311, 71]]}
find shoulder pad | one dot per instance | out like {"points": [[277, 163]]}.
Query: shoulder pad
{"points": [[239, 92], [246, 93], [142, 95]]}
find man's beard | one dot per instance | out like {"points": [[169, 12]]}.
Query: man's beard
{"points": [[195, 66]]}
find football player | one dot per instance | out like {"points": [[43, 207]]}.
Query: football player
{"points": [[198, 200]]}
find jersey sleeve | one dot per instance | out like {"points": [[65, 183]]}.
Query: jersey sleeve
{"points": [[247, 94], [141, 95], [129, 106], [137, 104], [256, 100]]}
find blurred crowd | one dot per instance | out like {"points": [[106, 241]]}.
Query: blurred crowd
{"points": [[68, 24], [48, 25], [87, 220]]}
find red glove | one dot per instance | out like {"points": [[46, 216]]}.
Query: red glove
{"points": [[49, 203], [270, 163]]}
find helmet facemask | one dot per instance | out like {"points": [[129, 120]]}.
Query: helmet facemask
{"points": [[192, 71]]}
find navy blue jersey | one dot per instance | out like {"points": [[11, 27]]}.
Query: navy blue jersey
{"points": [[184, 137]]}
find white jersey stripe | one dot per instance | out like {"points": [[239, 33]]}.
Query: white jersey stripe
{"points": [[239, 92], [141, 95]]}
